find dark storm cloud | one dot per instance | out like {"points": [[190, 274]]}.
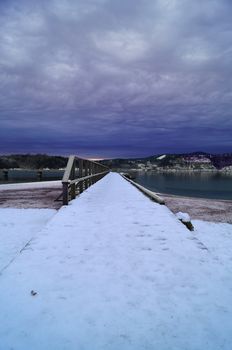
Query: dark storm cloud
{"points": [[113, 78]]}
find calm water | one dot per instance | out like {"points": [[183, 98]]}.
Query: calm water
{"points": [[204, 185], [31, 175]]}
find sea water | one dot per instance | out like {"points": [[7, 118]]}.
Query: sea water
{"points": [[20, 175], [190, 184]]}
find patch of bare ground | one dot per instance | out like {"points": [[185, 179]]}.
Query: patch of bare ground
{"points": [[199, 208], [31, 198]]}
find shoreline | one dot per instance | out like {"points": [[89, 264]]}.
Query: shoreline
{"points": [[43, 195], [222, 171], [214, 210]]}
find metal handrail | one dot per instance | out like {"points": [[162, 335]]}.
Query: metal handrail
{"points": [[93, 172]]}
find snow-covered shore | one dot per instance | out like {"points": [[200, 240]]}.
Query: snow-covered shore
{"points": [[30, 185], [43, 195], [114, 270]]}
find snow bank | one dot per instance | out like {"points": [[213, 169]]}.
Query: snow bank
{"points": [[28, 185]]}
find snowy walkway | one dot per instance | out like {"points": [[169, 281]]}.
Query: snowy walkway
{"points": [[17, 228], [115, 271]]}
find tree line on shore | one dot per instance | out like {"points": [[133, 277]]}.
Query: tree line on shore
{"points": [[29, 161], [43, 161]]}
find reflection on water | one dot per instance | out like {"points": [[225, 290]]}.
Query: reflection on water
{"points": [[190, 184]]}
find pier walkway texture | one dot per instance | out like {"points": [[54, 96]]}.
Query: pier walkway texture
{"points": [[114, 270]]}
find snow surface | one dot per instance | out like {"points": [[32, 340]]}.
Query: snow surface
{"points": [[183, 216], [218, 238], [161, 157], [114, 270], [17, 227], [29, 185]]}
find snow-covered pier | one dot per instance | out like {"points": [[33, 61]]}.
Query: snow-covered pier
{"points": [[114, 270]]}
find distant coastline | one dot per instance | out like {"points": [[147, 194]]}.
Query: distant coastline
{"points": [[177, 170], [187, 162], [196, 161]]}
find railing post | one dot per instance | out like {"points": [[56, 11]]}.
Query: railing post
{"points": [[91, 172], [86, 168], [65, 193], [94, 172], [66, 178], [6, 175], [73, 186], [39, 175], [81, 174], [86, 174]]}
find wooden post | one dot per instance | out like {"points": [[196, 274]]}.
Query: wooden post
{"points": [[81, 174], [40, 175], [86, 174], [73, 186], [5, 175], [65, 193], [90, 173], [94, 172]]}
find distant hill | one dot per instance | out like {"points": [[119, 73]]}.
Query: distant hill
{"points": [[29, 161], [193, 160], [185, 161]]}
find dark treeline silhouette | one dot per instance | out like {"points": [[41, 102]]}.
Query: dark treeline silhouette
{"points": [[219, 161], [41, 161], [29, 161]]}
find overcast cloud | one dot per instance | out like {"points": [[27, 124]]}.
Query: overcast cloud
{"points": [[111, 78]]}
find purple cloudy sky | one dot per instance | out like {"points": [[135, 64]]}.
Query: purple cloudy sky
{"points": [[115, 78]]}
